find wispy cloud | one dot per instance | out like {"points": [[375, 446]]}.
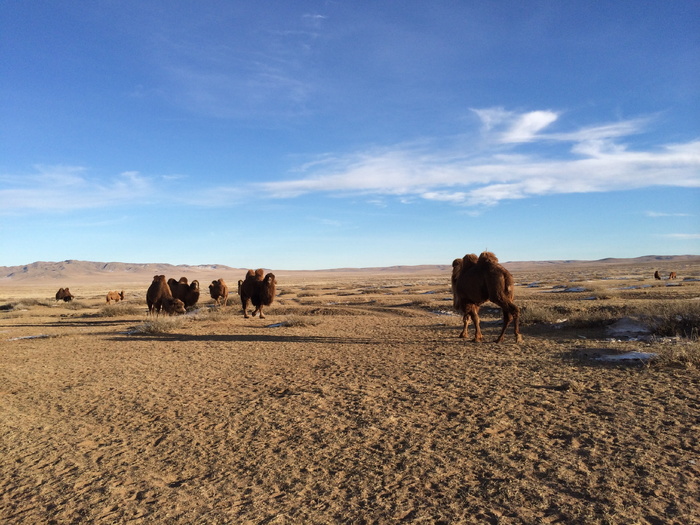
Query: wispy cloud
{"points": [[65, 188], [263, 72], [512, 127], [597, 161], [657, 214], [498, 168], [682, 236]]}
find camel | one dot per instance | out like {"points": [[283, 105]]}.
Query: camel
{"points": [[113, 296], [219, 291], [257, 288], [476, 280]]}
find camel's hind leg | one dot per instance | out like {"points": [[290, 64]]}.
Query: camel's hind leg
{"points": [[511, 313], [516, 325], [474, 313]]}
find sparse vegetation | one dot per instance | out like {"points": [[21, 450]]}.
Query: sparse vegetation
{"points": [[299, 321], [160, 325], [120, 309], [366, 389], [76, 305]]}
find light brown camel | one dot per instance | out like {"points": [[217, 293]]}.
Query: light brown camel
{"points": [[476, 280]]}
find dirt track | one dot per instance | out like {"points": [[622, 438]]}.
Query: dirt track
{"points": [[367, 409]]}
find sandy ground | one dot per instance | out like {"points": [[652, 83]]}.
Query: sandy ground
{"points": [[362, 407]]}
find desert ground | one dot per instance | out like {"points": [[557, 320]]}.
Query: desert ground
{"points": [[354, 401]]}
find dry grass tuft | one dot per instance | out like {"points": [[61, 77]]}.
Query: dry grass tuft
{"points": [[119, 309], [210, 313], [160, 325], [76, 305], [685, 354]]}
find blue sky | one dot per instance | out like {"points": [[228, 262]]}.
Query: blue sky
{"points": [[327, 134]]}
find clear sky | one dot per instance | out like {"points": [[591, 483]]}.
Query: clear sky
{"points": [[327, 134]]}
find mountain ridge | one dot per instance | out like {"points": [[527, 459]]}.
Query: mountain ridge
{"points": [[72, 268]]}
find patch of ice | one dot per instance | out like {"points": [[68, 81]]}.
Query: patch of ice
{"points": [[627, 327], [43, 336], [629, 356]]}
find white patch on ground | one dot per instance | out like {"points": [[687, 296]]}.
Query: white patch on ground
{"points": [[627, 327], [43, 336], [629, 356]]}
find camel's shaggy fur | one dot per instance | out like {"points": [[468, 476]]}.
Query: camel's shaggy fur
{"points": [[64, 294], [219, 291], [264, 294], [157, 293], [476, 280], [258, 289], [115, 296], [187, 293]]}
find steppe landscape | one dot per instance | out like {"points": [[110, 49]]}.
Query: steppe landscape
{"points": [[354, 401]]}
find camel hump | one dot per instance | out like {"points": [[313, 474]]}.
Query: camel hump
{"points": [[470, 259], [487, 258]]}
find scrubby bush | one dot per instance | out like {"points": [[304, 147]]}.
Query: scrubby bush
{"points": [[159, 325], [119, 309]]}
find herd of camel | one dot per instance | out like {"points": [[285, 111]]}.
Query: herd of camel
{"points": [[174, 297], [475, 280]]}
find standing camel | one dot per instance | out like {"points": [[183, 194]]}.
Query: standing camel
{"points": [[477, 280]]}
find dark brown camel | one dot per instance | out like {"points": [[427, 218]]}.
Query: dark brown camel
{"points": [[476, 280]]}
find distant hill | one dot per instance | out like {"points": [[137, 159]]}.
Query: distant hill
{"points": [[111, 271], [65, 272]]}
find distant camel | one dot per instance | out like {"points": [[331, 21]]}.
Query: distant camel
{"points": [[477, 280], [115, 296], [672, 275], [657, 276], [63, 294], [219, 291]]}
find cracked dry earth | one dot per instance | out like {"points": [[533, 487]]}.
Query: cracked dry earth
{"points": [[370, 411]]}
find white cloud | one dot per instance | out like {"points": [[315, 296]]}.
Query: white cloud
{"points": [[450, 170], [510, 127], [65, 188], [597, 162], [656, 214], [682, 236], [526, 127]]}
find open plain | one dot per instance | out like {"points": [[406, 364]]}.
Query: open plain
{"points": [[354, 401]]}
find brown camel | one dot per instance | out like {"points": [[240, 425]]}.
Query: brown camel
{"points": [[476, 280]]}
